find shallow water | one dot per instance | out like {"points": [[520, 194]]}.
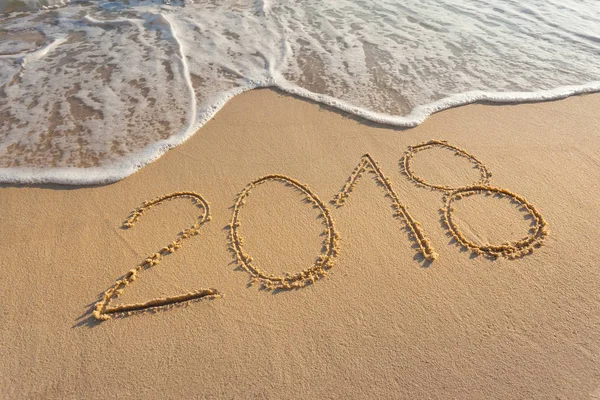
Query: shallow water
{"points": [[91, 92]]}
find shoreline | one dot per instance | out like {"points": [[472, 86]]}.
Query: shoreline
{"points": [[134, 162]]}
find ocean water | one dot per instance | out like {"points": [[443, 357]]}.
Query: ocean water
{"points": [[92, 91]]}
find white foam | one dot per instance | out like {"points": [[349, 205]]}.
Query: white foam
{"points": [[28, 5], [116, 86]]}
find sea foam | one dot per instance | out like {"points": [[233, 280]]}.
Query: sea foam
{"points": [[91, 92]]}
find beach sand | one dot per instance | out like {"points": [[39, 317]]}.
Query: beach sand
{"points": [[383, 323]]}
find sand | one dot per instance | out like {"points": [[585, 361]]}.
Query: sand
{"points": [[401, 289]]}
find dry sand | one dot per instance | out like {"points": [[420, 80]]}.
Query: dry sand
{"points": [[383, 323]]}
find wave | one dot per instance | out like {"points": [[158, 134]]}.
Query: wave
{"points": [[92, 92]]}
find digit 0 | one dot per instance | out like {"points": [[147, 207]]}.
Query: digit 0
{"points": [[324, 260]]}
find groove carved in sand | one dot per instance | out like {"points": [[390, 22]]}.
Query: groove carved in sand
{"points": [[103, 310], [367, 163], [510, 249], [325, 259], [406, 163]]}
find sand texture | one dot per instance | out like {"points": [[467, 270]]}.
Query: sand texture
{"points": [[288, 250]]}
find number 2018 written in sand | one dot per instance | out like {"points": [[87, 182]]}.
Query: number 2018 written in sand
{"points": [[103, 309]]}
